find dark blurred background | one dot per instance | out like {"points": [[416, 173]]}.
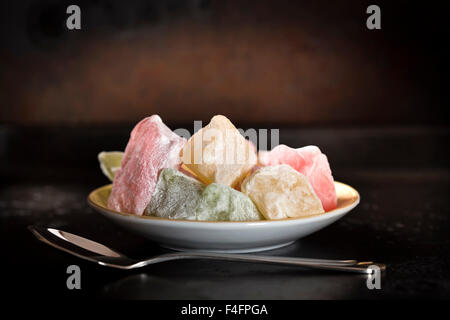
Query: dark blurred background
{"points": [[258, 62], [311, 67], [375, 101]]}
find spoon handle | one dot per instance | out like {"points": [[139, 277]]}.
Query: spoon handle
{"points": [[324, 264]]}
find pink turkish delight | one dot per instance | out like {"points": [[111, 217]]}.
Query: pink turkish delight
{"points": [[152, 147], [310, 162]]}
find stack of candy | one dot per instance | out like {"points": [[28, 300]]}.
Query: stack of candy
{"points": [[217, 176]]}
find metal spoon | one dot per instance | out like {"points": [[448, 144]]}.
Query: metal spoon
{"points": [[98, 253]]}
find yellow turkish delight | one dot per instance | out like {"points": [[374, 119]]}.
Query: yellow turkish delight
{"points": [[281, 192]]}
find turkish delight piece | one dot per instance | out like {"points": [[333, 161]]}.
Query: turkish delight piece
{"points": [[222, 203], [219, 153], [309, 161], [281, 192], [152, 147], [176, 196]]}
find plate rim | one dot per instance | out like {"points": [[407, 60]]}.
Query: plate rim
{"points": [[299, 220]]}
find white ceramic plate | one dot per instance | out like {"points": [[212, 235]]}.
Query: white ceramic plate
{"points": [[225, 236]]}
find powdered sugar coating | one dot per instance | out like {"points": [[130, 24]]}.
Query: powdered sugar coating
{"points": [[309, 161], [223, 203], [281, 192], [176, 196], [152, 147]]}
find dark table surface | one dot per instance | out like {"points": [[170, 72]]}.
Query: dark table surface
{"points": [[403, 220]]}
